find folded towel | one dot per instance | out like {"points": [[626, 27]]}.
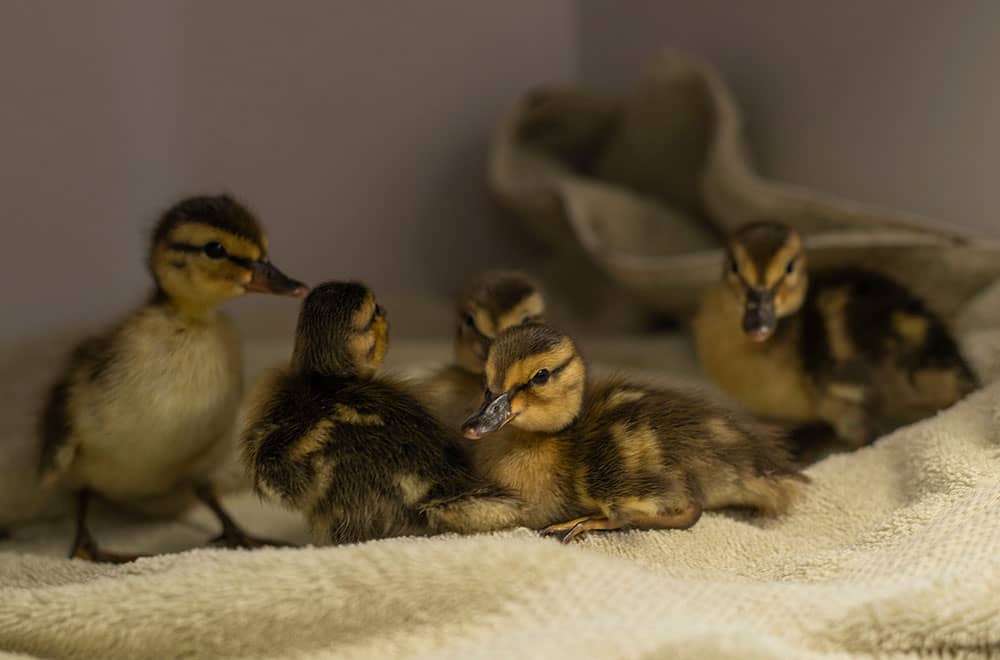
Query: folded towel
{"points": [[893, 549]]}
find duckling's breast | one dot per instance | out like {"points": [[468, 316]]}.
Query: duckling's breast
{"points": [[536, 468], [164, 411], [767, 378]]}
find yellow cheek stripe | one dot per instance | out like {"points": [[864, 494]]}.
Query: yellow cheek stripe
{"points": [[747, 268], [533, 305], [194, 233], [483, 322], [779, 262], [360, 319]]}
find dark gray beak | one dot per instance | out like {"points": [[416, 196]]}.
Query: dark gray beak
{"points": [[491, 417], [268, 279], [759, 318]]}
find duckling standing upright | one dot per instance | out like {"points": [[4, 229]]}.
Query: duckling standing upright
{"points": [[851, 348], [356, 453], [491, 303], [147, 408], [618, 454]]}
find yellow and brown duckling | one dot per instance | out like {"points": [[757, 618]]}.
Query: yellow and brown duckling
{"points": [[489, 304], [847, 347], [148, 408], [357, 454], [619, 454]]}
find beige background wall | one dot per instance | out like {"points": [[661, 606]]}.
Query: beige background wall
{"points": [[894, 102], [358, 130]]}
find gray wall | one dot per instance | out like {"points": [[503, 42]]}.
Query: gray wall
{"points": [[357, 130], [892, 102]]}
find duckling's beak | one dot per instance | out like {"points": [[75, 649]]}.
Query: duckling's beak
{"points": [[268, 279], [759, 317], [491, 417]]}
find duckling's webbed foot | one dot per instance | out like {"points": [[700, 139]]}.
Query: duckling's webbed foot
{"points": [[571, 529], [232, 536], [84, 545]]}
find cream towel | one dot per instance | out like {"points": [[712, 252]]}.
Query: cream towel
{"points": [[895, 549]]}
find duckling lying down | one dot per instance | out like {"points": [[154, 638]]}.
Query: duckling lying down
{"points": [[146, 409], [848, 347], [357, 454], [617, 454]]}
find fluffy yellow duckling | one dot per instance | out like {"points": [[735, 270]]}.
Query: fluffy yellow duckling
{"points": [[147, 407]]}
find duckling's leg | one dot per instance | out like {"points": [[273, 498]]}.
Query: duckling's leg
{"points": [[232, 535], [84, 545], [569, 530]]}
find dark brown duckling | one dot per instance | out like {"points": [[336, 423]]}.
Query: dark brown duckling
{"points": [[616, 454], [148, 408], [357, 454], [848, 347]]}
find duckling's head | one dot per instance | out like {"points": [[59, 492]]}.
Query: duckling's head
{"points": [[534, 381], [491, 303], [766, 271], [342, 331], [208, 249]]}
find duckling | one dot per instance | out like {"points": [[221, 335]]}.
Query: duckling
{"points": [[489, 304], [145, 409], [848, 347], [616, 454], [356, 452]]}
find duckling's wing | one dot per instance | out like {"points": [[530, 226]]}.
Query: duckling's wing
{"points": [[54, 431], [88, 364], [868, 333]]}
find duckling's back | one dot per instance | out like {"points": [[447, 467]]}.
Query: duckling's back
{"points": [[362, 459], [645, 441], [861, 327]]}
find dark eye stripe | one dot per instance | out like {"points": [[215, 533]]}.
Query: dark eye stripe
{"points": [[552, 372], [190, 248]]}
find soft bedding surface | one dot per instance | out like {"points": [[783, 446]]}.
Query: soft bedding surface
{"points": [[895, 549]]}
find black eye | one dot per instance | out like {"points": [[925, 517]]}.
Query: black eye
{"points": [[790, 268], [733, 268], [541, 377], [214, 250], [469, 321]]}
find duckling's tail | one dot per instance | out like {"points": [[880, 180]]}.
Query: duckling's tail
{"points": [[484, 509], [774, 495]]}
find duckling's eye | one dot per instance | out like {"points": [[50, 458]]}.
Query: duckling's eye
{"points": [[214, 250], [469, 321], [733, 267], [541, 377], [790, 268]]}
